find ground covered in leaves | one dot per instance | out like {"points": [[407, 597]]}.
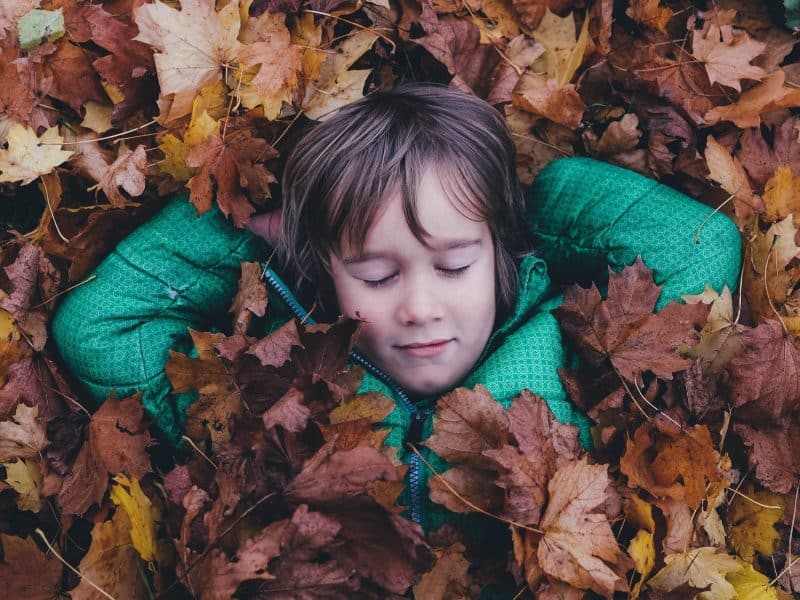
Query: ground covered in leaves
{"points": [[283, 488]]}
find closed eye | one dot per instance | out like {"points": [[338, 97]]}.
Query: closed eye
{"points": [[454, 272], [379, 283]]}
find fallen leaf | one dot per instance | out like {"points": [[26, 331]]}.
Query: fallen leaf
{"points": [[448, 578], [701, 568], [111, 563], [126, 172], [726, 54], [250, 299], [649, 13], [578, 545], [23, 435], [193, 43], [771, 94], [142, 515], [752, 516], [27, 572], [28, 156], [25, 477]]}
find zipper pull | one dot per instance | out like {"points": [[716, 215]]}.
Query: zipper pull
{"points": [[415, 431]]}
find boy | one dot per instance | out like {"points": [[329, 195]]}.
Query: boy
{"points": [[402, 210]]}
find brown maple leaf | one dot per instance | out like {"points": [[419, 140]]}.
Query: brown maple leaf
{"points": [[126, 172], [650, 13], [726, 54], [578, 546], [623, 327], [250, 299], [771, 94], [115, 443], [764, 383], [232, 172], [670, 462], [774, 453], [27, 572]]}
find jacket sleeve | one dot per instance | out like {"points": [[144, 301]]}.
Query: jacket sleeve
{"points": [[178, 270], [588, 215]]}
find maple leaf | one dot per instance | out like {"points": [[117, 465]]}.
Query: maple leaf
{"points": [[578, 545], [129, 66], [467, 423], [538, 141], [74, 81], [115, 443], [279, 64], [275, 349], [194, 44], [771, 94], [27, 572], [726, 170], [544, 444], [455, 42], [726, 54], [23, 435], [339, 478], [774, 453], [250, 299], [28, 156], [25, 477], [521, 52], [669, 462], [111, 562], [448, 578], [751, 525], [142, 515], [126, 172], [782, 195], [650, 13], [542, 95], [764, 383], [623, 327], [336, 85], [701, 568], [234, 165]]}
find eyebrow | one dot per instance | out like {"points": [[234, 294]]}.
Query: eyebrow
{"points": [[443, 247]]}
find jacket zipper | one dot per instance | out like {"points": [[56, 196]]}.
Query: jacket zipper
{"points": [[417, 416]]}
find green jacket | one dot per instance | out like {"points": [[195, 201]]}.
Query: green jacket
{"points": [[180, 270]]}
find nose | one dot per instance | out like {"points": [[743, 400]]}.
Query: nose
{"points": [[419, 304]]}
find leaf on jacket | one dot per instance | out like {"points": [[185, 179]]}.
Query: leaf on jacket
{"points": [[27, 572], [624, 328], [578, 546], [250, 299], [232, 172], [670, 462], [448, 577]]}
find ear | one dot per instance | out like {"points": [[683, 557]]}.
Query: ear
{"points": [[267, 226]]}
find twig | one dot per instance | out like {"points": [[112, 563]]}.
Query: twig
{"points": [[62, 292], [70, 567], [100, 139], [467, 502], [756, 502]]}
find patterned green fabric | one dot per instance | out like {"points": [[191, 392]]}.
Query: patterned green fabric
{"points": [[179, 271]]}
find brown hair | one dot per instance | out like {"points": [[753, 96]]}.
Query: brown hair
{"points": [[341, 171]]}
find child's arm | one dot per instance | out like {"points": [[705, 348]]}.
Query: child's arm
{"points": [[589, 214], [176, 271]]}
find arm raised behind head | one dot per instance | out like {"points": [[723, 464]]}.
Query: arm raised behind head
{"points": [[588, 215], [178, 270]]}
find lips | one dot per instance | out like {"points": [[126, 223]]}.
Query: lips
{"points": [[426, 349]]}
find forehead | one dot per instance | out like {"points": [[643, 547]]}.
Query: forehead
{"points": [[446, 224]]}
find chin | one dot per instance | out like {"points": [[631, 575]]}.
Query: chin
{"points": [[428, 388]]}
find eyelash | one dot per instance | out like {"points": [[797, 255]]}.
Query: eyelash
{"points": [[446, 272]]}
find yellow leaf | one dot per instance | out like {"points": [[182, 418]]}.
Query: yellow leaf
{"points": [[782, 194], [28, 156], [751, 585], [700, 568], [200, 128], [501, 20], [751, 526], [643, 552], [564, 53], [97, 117], [308, 36], [127, 493], [775, 248], [337, 86], [372, 406], [25, 477], [640, 513]]}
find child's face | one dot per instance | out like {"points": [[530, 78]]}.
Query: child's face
{"points": [[428, 312]]}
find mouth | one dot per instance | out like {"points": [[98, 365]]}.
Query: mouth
{"points": [[425, 349]]}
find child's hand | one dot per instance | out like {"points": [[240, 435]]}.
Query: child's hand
{"points": [[267, 226]]}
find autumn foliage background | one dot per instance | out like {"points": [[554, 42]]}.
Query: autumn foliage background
{"points": [[692, 487]]}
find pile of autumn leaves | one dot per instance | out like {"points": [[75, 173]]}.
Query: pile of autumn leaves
{"points": [[284, 487]]}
